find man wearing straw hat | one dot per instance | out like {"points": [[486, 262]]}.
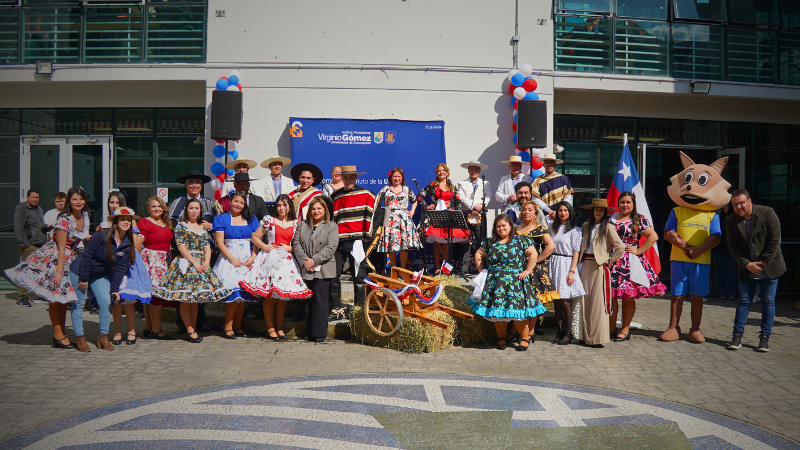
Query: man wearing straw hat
{"points": [[551, 187], [242, 165], [306, 175], [506, 190], [276, 184], [353, 209], [475, 193]]}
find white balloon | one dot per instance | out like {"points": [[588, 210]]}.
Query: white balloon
{"points": [[237, 73], [221, 160], [233, 88], [526, 70], [215, 184], [515, 117], [537, 151], [512, 73], [519, 93]]}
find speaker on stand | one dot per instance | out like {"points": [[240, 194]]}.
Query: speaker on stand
{"points": [[531, 124], [226, 115]]}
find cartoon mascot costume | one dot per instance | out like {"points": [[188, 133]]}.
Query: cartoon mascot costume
{"points": [[693, 230]]}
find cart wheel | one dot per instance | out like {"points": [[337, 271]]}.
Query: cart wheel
{"points": [[383, 311]]}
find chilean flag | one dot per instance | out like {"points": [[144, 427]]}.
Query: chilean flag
{"points": [[627, 179]]}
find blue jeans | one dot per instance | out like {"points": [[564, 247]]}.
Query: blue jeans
{"points": [[726, 275], [747, 290], [101, 288]]}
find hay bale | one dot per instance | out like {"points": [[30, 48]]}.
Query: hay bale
{"points": [[468, 332], [413, 336]]}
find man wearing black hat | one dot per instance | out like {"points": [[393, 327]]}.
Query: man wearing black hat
{"points": [[241, 183], [306, 175]]}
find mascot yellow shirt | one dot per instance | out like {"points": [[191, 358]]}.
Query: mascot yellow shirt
{"points": [[694, 226]]}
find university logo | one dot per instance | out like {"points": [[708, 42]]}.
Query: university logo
{"points": [[378, 138], [296, 130], [391, 137]]}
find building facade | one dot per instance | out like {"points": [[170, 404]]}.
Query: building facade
{"points": [[127, 101]]}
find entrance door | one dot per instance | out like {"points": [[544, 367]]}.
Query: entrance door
{"points": [[734, 169], [53, 164]]}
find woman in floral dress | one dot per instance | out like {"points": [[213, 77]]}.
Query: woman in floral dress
{"points": [[45, 271], [507, 292], [632, 276], [540, 239], [444, 196], [274, 275], [401, 234], [154, 241], [189, 279]]}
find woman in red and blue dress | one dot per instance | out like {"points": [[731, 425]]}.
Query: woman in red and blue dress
{"points": [[444, 196]]}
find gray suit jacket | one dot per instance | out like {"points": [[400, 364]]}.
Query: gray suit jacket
{"points": [[766, 242], [319, 246]]}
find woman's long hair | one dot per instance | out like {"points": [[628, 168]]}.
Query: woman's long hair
{"points": [[570, 224], [535, 212], [164, 210], [120, 198], [68, 206], [111, 243], [291, 214], [185, 215], [601, 232], [636, 219], [314, 201], [245, 211]]}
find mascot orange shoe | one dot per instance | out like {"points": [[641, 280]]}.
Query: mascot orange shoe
{"points": [[693, 230]]}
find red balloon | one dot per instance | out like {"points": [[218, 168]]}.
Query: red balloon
{"points": [[529, 85], [220, 142], [239, 86], [514, 126], [535, 163], [218, 194], [515, 103], [511, 88], [221, 177]]}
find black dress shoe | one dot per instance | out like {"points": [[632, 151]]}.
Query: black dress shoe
{"points": [[625, 337], [162, 337], [146, 334], [203, 327], [232, 335], [58, 344], [537, 329], [196, 340], [270, 336], [117, 341], [129, 341], [240, 333]]}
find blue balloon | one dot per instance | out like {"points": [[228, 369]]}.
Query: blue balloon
{"points": [[233, 80], [525, 156], [531, 96], [230, 172], [529, 77], [536, 173], [217, 168], [513, 100], [222, 84], [517, 79], [219, 151], [515, 138], [515, 117], [235, 154]]}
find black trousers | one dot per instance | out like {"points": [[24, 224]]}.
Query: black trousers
{"points": [[343, 252], [317, 315], [464, 252]]}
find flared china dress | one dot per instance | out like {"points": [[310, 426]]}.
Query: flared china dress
{"points": [[632, 276], [156, 255], [540, 276], [182, 282], [37, 272], [444, 200], [401, 233], [560, 262], [237, 240], [136, 285], [275, 273], [505, 297]]}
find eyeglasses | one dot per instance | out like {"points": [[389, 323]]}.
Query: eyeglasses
{"points": [[742, 203]]}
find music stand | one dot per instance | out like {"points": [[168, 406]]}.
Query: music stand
{"points": [[451, 220]]}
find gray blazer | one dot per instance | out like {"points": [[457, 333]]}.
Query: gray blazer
{"points": [[319, 246], [766, 228]]}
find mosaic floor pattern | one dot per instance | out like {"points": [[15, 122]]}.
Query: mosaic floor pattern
{"points": [[390, 411]]}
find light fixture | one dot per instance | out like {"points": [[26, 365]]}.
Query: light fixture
{"points": [[201, 140], [91, 141], [699, 87], [44, 67]]}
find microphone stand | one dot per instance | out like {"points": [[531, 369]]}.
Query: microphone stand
{"points": [[484, 225], [423, 219]]}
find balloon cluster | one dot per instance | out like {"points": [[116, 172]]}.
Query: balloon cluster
{"points": [[522, 86], [229, 83]]}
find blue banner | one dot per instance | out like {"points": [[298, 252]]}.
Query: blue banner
{"points": [[373, 146]]}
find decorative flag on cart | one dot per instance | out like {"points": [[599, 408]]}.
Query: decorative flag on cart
{"points": [[627, 179], [446, 268], [416, 277]]}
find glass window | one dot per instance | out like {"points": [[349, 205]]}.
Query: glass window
{"points": [[176, 156], [575, 127], [789, 71], [790, 14], [773, 136], [9, 181], [751, 55], [646, 9], [580, 199], [738, 134], [176, 34], [583, 44], [777, 172], [753, 11], [609, 160], [66, 121], [615, 127], [112, 34], [136, 197], [135, 121], [697, 51], [9, 121], [182, 120], [585, 5], [134, 160], [700, 9], [641, 47], [9, 35], [580, 164], [51, 34]]}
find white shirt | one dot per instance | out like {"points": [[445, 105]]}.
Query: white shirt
{"points": [[264, 189], [473, 193], [506, 187]]}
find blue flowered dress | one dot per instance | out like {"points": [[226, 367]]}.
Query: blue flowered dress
{"points": [[505, 297]]}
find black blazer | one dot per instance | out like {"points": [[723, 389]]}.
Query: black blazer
{"points": [[766, 242]]}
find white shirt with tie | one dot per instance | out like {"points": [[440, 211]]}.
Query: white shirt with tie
{"points": [[473, 193]]}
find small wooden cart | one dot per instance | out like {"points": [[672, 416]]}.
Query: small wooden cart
{"points": [[384, 310]]}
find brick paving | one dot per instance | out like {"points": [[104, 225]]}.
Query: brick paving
{"points": [[39, 384]]}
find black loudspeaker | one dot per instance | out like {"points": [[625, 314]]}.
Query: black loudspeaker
{"points": [[226, 115], [531, 124]]}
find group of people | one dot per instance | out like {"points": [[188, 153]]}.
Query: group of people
{"points": [[282, 239]]}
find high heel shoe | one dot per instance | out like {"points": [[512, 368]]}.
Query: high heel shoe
{"points": [[627, 337], [128, 340], [558, 337], [58, 344], [520, 348], [196, 340]]}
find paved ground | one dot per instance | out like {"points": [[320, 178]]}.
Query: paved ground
{"points": [[41, 384]]}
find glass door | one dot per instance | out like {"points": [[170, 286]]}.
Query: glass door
{"points": [[734, 169]]}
